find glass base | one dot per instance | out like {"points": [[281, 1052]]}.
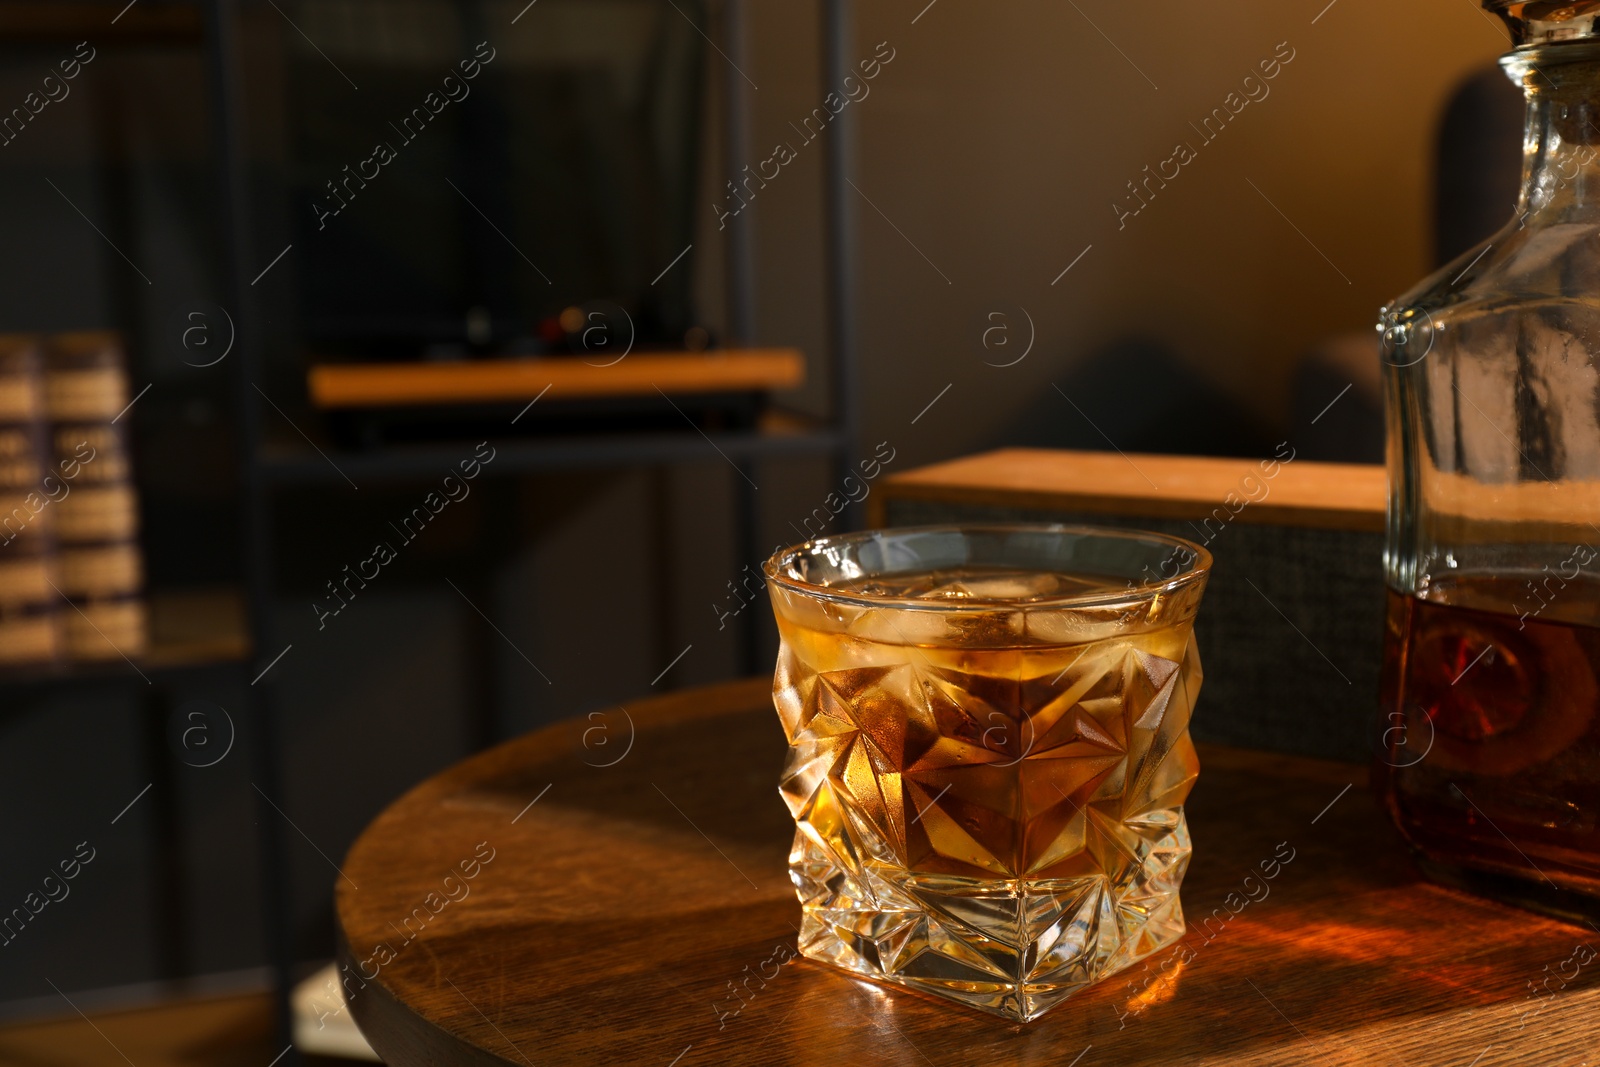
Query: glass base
{"points": [[1519, 890], [1015, 948]]}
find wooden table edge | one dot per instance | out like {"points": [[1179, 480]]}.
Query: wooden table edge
{"points": [[387, 1020], [376, 1010]]}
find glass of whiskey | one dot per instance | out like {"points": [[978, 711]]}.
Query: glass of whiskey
{"points": [[988, 753]]}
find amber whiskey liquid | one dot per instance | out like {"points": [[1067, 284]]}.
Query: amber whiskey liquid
{"points": [[989, 804], [1490, 754]]}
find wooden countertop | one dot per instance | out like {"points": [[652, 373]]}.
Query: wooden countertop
{"points": [[1348, 496], [619, 902]]}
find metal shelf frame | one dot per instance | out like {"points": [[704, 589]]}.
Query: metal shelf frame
{"points": [[300, 466]]}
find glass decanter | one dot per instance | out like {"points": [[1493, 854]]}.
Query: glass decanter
{"points": [[1489, 758]]}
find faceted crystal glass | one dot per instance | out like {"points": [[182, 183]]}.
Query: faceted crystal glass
{"points": [[989, 753]]}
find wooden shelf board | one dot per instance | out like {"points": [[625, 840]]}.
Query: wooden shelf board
{"points": [[1302, 493], [377, 385], [195, 627]]}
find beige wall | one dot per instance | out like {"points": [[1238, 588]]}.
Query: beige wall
{"points": [[999, 137]]}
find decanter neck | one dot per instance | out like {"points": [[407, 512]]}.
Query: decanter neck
{"points": [[1561, 147]]}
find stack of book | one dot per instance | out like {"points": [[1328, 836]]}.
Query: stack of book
{"points": [[97, 530], [29, 601], [71, 570]]}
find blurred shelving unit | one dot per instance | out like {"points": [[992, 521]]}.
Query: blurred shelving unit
{"points": [[232, 628], [192, 631]]}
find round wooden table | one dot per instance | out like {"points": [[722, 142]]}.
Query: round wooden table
{"points": [[614, 890]]}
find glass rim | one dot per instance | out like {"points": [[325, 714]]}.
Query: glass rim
{"points": [[1196, 570]]}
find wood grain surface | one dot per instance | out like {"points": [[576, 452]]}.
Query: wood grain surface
{"points": [[623, 902], [1334, 496], [367, 385]]}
